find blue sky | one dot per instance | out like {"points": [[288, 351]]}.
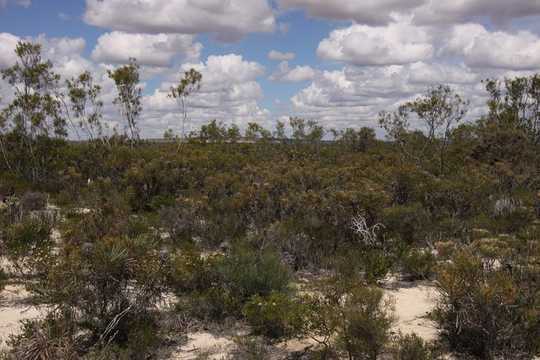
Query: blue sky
{"points": [[351, 58]]}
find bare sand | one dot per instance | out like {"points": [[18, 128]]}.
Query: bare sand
{"points": [[13, 309], [412, 304]]}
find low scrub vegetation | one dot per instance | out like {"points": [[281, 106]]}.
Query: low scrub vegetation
{"points": [[225, 227]]}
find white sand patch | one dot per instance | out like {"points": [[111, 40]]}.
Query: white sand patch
{"points": [[13, 310], [413, 304], [204, 343]]}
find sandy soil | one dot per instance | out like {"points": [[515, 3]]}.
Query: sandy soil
{"points": [[13, 308], [413, 303], [204, 343]]}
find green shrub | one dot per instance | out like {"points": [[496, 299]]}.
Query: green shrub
{"points": [[365, 322], [112, 287], [413, 347], [418, 264], [212, 304], [190, 271], [248, 272], [276, 316], [28, 245], [376, 265], [48, 339], [489, 311]]}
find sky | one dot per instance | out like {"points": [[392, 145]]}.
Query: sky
{"points": [[339, 62]]}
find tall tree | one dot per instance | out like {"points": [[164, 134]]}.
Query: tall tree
{"points": [[189, 84], [35, 112], [516, 102], [86, 106], [438, 112], [126, 79]]}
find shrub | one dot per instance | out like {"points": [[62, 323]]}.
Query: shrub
{"points": [[419, 263], [413, 347], [48, 339], [191, 272], [247, 272], [33, 201], [111, 286], [488, 311], [376, 265], [366, 320], [276, 316], [28, 245]]}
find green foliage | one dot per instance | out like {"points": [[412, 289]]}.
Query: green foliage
{"points": [[112, 286], [28, 245], [48, 339], [365, 328], [487, 309], [276, 316], [418, 263], [126, 79], [412, 347], [86, 106], [248, 272]]}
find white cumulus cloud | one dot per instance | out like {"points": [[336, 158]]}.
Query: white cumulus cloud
{"points": [[281, 56], [226, 20], [395, 43], [152, 50]]}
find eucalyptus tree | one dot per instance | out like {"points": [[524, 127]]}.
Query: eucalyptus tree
{"points": [[35, 113], [516, 102], [129, 95], [86, 105], [438, 111], [189, 84]]}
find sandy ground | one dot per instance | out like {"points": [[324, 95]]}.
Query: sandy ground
{"points": [[13, 309], [413, 303], [204, 343]]}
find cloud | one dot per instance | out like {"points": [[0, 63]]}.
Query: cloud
{"points": [[24, 3], [296, 74], [65, 53], [395, 43], [280, 56], [481, 48], [353, 96], [226, 20], [151, 50], [381, 12], [372, 12], [8, 42], [451, 11], [229, 92]]}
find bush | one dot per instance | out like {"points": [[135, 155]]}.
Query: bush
{"points": [[413, 347], [28, 245], [48, 339], [366, 320], [419, 263], [112, 287], [276, 316], [191, 272], [212, 304], [33, 201], [486, 310], [247, 272], [376, 265]]}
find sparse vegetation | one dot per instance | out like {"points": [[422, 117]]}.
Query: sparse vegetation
{"points": [[225, 229]]}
